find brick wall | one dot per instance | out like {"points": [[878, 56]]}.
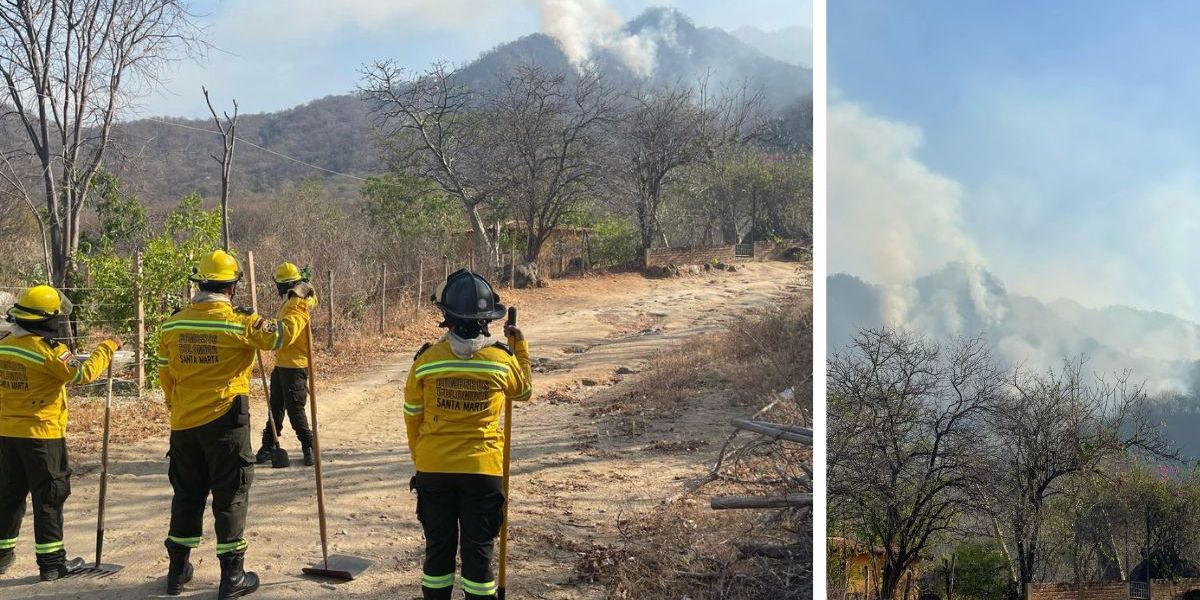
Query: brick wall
{"points": [[1114, 590], [661, 257], [1117, 590]]}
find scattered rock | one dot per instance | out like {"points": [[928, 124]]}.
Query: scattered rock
{"points": [[623, 370], [589, 382]]}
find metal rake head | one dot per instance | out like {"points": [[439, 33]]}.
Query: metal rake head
{"points": [[94, 570]]}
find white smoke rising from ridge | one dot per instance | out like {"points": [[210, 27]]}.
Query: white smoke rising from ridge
{"points": [[582, 27], [896, 219]]}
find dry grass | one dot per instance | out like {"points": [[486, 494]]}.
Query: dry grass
{"points": [[687, 550], [131, 421]]}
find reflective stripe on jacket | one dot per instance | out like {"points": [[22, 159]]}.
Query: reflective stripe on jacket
{"points": [[453, 406], [33, 379], [205, 355]]}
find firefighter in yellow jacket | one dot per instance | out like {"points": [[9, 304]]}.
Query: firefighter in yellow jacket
{"points": [[289, 378], [34, 371], [453, 400], [205, 355]]}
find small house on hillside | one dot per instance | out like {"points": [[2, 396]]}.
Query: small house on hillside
{"points": [[860, 569]]}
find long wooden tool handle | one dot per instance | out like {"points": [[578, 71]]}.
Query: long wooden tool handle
{"points": [[503, 580], [312, 403], [104, 466], [262, 369]]}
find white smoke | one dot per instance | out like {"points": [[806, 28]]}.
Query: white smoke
{"points": [[583, 27], [893, 219]]}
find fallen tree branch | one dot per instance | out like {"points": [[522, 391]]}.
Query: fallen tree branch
{"points": [[787, 500]]}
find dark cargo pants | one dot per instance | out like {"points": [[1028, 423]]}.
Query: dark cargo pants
{"points": [[460, 514], [289, 392], [37, 468], [213, 458]]}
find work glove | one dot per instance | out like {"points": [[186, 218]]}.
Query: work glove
{"points": [[303, 289]]}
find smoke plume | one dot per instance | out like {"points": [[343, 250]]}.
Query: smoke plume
{"points": [[585, 27]]}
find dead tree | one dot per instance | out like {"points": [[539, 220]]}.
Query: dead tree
{"points": [[548, 136], [429, 125], [68, 68], [1045, 431], [664, 130], [228, 131], [905, 417]]}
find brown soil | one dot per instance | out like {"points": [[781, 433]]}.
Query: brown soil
{"points": [[577, 464]]}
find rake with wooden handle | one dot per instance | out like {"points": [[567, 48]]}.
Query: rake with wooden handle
{"points": [[99, 569], [337, 566]]}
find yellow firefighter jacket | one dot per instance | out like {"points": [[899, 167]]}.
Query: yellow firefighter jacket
{"points": [[294, 317], [33, 378], [452, 406], [205, 355]]}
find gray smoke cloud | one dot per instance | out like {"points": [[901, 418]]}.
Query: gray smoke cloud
{"points": [[892, 219], [584, 27]]}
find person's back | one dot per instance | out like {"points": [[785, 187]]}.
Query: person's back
{"points": [[35, 368], [456, 392], [205, 356], [209, 349]]}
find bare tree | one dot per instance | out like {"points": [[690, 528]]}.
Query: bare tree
{"points": [[904, 419], [666, 129], [1043, 432], [549, 139], [228, 131], [430, 126], [69, 67]]}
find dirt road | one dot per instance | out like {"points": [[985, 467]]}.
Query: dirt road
{"points": [[571, 478]]}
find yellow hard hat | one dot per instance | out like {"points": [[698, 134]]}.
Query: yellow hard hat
{"points": [[217, 267], [287, 273], [37, 303]]}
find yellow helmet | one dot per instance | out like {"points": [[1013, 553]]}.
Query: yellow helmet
{"points": [[38, 303], [217, 267], [287, 273]]}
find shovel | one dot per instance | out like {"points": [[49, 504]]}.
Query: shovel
{"points": [[99, 569], [279, 456], [502, 580], [337, 566]]}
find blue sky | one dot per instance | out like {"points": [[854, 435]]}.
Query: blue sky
{"points": [[1057, 144], [274, 54]]}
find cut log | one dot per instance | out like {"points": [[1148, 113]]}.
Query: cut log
{"points": [[800, 435], [785, 501]]}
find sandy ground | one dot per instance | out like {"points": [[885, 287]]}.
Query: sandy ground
{"points": [[573, 475]]}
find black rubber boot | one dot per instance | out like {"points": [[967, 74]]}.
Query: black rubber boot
{"points": [[180, 571], [264, 454], [445, 593], [55, 566], [308, 455], [7, 558], [235, 581]]}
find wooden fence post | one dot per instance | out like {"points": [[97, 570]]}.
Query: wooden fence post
{"points": [[512, 274], [382, 298], [445, 267], [329, 341], [139, 316], [420, 283], [253, 285]]}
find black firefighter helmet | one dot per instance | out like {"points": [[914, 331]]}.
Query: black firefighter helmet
{"points": [[468, 296]]}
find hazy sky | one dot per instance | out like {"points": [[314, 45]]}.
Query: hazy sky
{"points": [[274, 54], [1058, 144]]}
